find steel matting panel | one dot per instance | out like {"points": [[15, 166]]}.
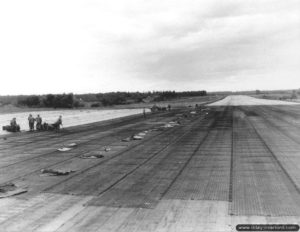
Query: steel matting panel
{"points": [[206, 177], [260, 186]]}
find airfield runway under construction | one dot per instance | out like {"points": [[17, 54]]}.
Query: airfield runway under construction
{"points": [[205, 170]]}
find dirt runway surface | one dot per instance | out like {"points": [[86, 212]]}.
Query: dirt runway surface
{"points": [[219, 167], [237, 100], [70, 117]]}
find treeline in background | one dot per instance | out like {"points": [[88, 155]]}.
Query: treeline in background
{"points": [[71, 100]]}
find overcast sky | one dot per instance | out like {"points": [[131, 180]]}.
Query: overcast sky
{"points": [[139, 45]]}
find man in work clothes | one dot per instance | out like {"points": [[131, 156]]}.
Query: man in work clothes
{"points": [[14, 126], [31, 122], [13, 123], [57, 124], [38, 122]]}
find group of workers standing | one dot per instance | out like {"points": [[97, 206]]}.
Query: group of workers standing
{"points": [[31, 121], [39, 123]]}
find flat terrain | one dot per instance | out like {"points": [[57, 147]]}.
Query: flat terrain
{"points": [[225, 165], [72, 117], [238, 100]]}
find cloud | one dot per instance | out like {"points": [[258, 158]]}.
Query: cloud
{"points": [[222, 45], [90, 46]]}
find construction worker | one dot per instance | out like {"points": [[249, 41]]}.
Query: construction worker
{"points": [[38, 122], [14, 126], [13, 123], [31, 122], [57, 124]]}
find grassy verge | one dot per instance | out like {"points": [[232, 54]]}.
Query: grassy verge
{"points": [[176, 103]]}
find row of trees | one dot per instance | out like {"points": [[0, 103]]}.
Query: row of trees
{"points": [[118, 98], [168, 95], [50, 100], [100, 99]]}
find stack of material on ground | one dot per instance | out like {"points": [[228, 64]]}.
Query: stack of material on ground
{"points": [[138, 136], [10, 189], [52, 172], [171, 124], [107, 149], [64, 149], [72, 145], [11, 129], [68, 147], [92, 155]]}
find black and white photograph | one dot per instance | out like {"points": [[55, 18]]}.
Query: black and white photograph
{"points": [[149, 115]]}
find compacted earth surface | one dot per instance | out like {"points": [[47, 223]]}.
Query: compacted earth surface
{"points": [[70, 117], [204, 169]]}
